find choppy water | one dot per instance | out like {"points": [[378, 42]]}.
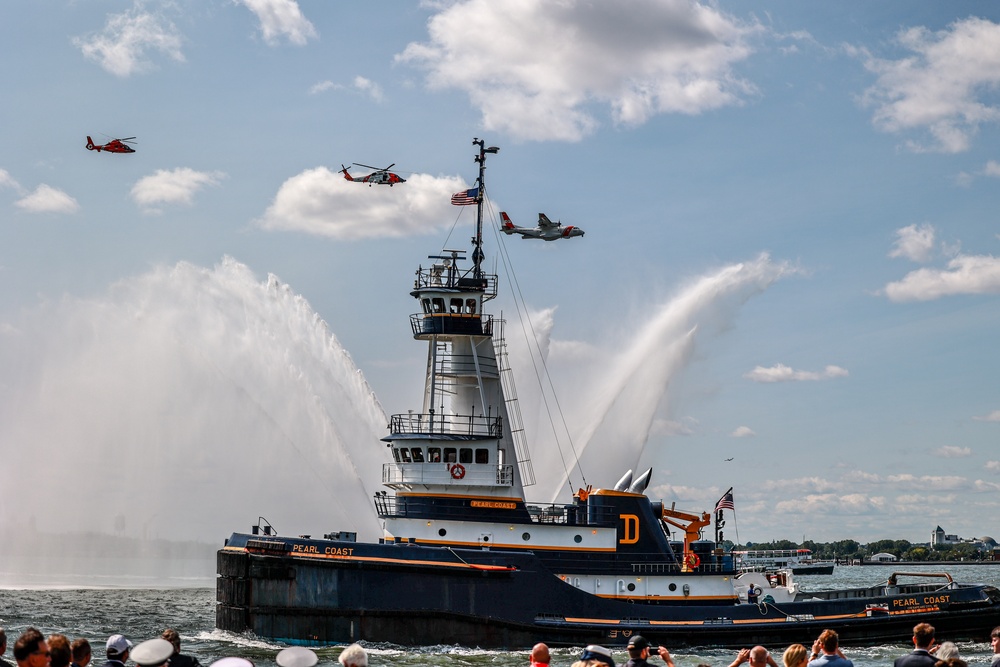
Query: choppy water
{"points": [[142, 613]]}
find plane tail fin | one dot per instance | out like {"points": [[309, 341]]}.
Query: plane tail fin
{"points": [[508, 226], [346, 175]]}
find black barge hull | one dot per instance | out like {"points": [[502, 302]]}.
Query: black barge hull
{"points": [[330, 592]]}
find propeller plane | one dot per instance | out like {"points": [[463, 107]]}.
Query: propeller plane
{"points": [[113, 146], [546, 229], [379, 176]]}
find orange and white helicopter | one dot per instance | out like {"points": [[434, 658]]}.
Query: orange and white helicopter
{"points": [[379, 176], [113, 146]]}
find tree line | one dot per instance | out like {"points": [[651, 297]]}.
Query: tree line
{"points": [[851, 549]]}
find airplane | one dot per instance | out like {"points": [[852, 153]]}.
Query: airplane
{"points": [[113, 146], [546, 229], [380, 176], [729, 459]]}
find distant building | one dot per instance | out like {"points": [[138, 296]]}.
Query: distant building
{"points": [[938, 536], [883, 558]]}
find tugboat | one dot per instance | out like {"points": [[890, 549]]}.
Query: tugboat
{"points": [[466, 560]]}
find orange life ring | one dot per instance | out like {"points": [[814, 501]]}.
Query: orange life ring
{"points": [[458, 471], [692, 559]]}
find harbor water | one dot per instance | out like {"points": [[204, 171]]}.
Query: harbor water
{"points": [[95, 611]]}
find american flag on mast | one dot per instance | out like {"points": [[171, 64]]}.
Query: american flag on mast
{"points": [[466, 197], [726, 502]]}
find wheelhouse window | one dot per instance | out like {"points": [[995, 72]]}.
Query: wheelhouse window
{"points": [[456, 306], [465, 455], [405, 454], [482, 455], [438, 304], [426, 304], [418, 455], [434, 454], [470, 306], [450, 455]]}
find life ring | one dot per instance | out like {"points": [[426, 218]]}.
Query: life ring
{"points": [[458, 471], [692, 559]]}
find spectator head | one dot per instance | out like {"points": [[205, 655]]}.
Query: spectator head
{"points": [[173, 637], [829, 640], [59, 648], [540, 654], [80, 648], [30, 649], [353, 656], [758, 656], [795, 655], [923, 635]]}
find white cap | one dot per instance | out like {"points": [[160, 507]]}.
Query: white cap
{"points": [[232, 661], [296, 656], [117, 644], [152, 652]]}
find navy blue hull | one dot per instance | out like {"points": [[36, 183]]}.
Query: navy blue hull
{"points": [[329, 592]]}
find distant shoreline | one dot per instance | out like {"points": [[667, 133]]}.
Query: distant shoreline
{"points": [[934, 563]]}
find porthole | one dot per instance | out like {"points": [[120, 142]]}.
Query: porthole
{"points": [[672, 587], [578, 538], [442, 532], [525, 536], [631, 587]]}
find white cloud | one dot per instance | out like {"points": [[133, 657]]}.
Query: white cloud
{"points": [[966, 274], [953, 452], [281, 18], [172, 187], [7, 181], [939, 85], [992, 417], [360, 84], [992, 168], [832, 504], [929, 482], [319, 201], [47, 199], [993, 466], [127, 38], [914, 243], [543, 63], [671, 427], [743, 432], [783, 373]]}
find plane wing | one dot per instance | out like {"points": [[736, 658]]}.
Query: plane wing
{"points": [[545, 223]]}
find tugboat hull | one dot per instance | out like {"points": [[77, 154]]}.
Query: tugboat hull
{"points": [[416, 595]]}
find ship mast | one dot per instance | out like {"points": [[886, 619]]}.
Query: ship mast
{"points": [[477, 242]]}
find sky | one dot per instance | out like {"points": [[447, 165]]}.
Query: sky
{"points": [[788, 284]]}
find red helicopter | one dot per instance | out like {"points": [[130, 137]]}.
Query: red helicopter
{"points": [[113, 146], [381, 176]]}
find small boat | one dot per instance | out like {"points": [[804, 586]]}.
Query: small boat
{"points": [[465, 559], [799, 561]]}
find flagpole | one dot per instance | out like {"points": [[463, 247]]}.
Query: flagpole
{"points": [[719, 522], [477, 241]]}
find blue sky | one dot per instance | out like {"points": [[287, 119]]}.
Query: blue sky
{"points": [[790, 256]]}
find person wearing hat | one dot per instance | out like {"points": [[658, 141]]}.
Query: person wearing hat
{"points": [[639, 651], [595, 656], [296, 656], [117, 650], [153, 653]]}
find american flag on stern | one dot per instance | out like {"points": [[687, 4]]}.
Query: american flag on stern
{"points": [[465, 197], [726, 502]]}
